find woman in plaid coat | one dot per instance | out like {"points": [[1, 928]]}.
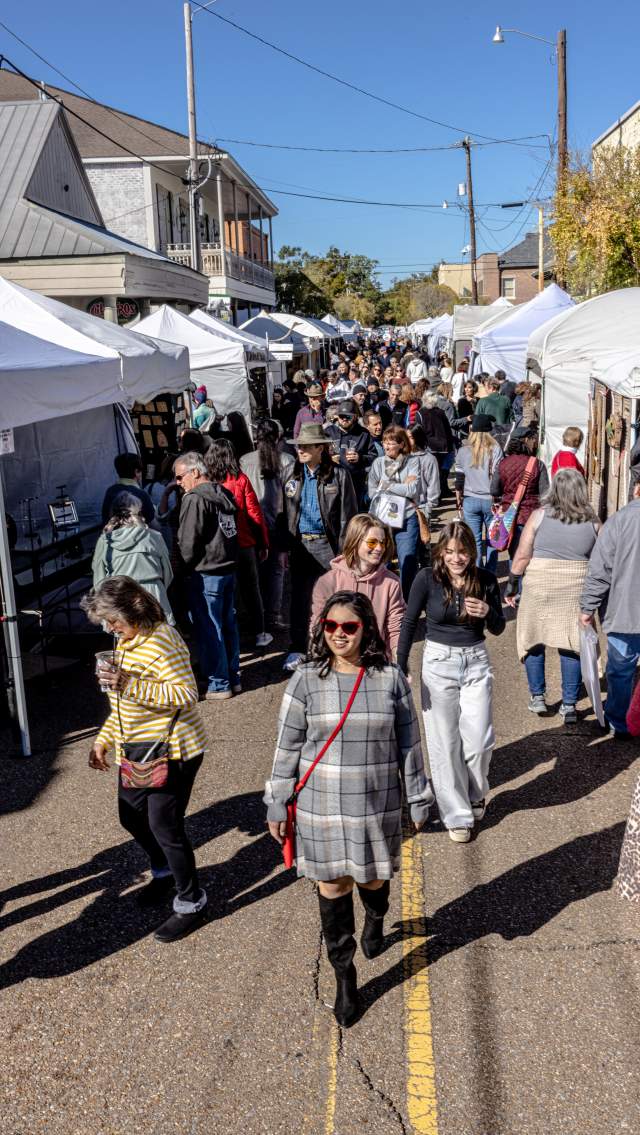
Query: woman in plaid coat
{"points": [[349, 812]]}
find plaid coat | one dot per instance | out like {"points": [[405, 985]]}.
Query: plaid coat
{"points": [[349, 812]]}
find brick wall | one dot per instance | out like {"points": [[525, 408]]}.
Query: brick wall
{"points": [[488, 277], [526, 286], [119, 190]]}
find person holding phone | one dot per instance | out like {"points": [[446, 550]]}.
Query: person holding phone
{"points": [[461, 601], [349, 813]]}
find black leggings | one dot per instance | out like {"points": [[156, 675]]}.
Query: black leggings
{"points": [[155, 819]]}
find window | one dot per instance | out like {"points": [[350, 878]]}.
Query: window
{"points": [[509, 287], [165, 217]]}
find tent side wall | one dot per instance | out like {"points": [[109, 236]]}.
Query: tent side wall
{"points": [[76, 451], [565, 402]]}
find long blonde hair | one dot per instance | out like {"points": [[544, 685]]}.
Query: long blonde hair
{"points": [[482, 446]]}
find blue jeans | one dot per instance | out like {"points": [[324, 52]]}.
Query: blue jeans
{"points": [[570, 671], [478, 515], [212, 611], [407, 549], [622, 658]]}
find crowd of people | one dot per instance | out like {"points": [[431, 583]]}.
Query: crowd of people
{"points": [[340, 489]]}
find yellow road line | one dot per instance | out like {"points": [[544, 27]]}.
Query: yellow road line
{"points": [[325, 1046], [332, 1085], [422, 1110]]}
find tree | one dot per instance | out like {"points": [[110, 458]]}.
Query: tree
{"points": [[296, 292], [596, 224], [416, 297], [356, 307]]}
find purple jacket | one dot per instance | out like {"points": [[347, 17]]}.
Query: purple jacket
{"points": [[306, 414]]}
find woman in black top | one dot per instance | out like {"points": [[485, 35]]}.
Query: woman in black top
{"points": [[460, 601]]}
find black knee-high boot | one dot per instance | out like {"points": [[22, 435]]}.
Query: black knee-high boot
{"points": [[338, 927], [376, 905]]}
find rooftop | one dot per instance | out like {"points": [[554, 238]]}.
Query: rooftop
{"points": [[525, 254]]}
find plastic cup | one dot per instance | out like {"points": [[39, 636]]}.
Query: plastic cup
{"points": [[105, 665]]}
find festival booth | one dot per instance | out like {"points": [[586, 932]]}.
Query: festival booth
{"points": [[345, 332], [62, 375], [584, 358], [439, 335], [233, 373], [467, 319], [502, 343], [275, 367], [419, 330], [316, 341], [287, 346]]}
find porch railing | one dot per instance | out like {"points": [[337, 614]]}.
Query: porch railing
{"points": [[214, 263]]}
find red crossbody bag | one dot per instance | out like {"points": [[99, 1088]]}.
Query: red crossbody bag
{"points": [[289, 842]]}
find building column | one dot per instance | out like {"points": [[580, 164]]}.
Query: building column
{"points": [[249, 226], [261, 235], [221, 223], [111, 308], [236, 244], [270, 244]]}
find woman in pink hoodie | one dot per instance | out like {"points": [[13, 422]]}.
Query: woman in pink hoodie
{"points": [[368, 546]]}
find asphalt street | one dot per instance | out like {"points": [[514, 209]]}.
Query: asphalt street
{"points": [[505, 1003]]}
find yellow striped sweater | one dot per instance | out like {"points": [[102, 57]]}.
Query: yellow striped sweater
{"points": [[161, 680]]}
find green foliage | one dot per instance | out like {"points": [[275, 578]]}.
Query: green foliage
{"points": [[596, 225], [417, 297]]}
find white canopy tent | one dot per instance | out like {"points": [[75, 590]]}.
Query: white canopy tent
{"points": [[315, 340], [327, 329], [219, 364], [439, 335], [275, 367], [345, 332], [283, 343], [467, 319], [502, 345], [44, 378], [599, 338]]}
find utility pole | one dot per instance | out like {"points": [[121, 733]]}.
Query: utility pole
{"points": [[540, 248], [466, 142], [561, 50], [194, 219]]}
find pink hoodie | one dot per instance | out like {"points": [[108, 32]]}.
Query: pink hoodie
{"points": [[381, 586]]}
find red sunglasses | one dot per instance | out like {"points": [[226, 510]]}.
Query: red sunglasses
{"points": [[350, 627]]}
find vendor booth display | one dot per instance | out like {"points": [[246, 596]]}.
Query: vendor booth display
{"points": [[344, 329], [276, 369], [502, 343], [287, 346], [439, 335], [596, 337], [467, 319], [317, 342]]}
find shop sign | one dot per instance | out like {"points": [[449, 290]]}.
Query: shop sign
{"points": [[127, 309]]}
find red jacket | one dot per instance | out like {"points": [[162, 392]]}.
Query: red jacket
{"points": [[565, 458], [252, 529], [507, 478]]}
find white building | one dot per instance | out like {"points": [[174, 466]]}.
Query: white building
{"points": [[625, 131], [137, 172]]}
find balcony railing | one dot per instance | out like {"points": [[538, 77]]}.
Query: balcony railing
{"points": [[231, 265]]}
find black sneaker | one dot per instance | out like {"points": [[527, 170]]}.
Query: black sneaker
{"points": [[179, 925], [155, 891], [568, 714]]}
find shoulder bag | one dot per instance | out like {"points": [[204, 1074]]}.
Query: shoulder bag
{"points": [[289, 842], [145, 764], [503, 523]]}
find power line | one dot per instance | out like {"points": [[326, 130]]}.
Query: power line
{"points": [[337, 79], [85, 121], [383, 150]]}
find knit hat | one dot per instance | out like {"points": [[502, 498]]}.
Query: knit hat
{"points": [[482, 424], [358, 388], [373, 382]]}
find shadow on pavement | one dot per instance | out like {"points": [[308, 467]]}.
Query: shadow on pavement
{"points": [[112, 920], [514, 905], [580, 768]]}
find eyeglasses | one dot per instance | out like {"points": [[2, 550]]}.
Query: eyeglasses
{"points": [[373, 543], [350, 628], [180, 477]]}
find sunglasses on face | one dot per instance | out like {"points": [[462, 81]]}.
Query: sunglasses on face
{"points": [[350, 627], [372, 543]]}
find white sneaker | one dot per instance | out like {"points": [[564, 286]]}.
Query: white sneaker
{"points": [[264, 639], [460, 835], [479, 809], [292, 661]]}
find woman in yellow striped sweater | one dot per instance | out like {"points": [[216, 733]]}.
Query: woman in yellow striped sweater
{"points": [[153, 682]]}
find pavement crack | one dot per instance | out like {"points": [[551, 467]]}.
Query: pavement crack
{"points": [[315, 974], [382, 1096]]}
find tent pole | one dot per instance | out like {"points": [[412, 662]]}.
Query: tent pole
{"points": [[10, 620]]}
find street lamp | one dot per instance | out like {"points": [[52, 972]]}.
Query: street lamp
{"points": [[560, 47]]}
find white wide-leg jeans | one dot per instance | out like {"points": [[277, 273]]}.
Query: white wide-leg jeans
{"points": [[457, 686]]}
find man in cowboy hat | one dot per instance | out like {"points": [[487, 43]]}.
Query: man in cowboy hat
{"points": [[312, 412], [353, 444], [319, 502]]}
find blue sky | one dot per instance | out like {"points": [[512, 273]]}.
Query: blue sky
{"points": [[436, 59]]}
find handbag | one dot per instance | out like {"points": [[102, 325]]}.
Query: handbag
{"points": [[423, 525], [145, 764], [501, 527], [391, 509], [289, 842]]}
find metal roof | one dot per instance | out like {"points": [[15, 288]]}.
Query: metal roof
{"points": [[29, 229]]}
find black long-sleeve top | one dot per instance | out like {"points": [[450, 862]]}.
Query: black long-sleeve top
{"points": [[443, 623]]}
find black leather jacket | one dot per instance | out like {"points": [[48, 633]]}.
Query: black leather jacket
{"points": [[336, 497]]}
